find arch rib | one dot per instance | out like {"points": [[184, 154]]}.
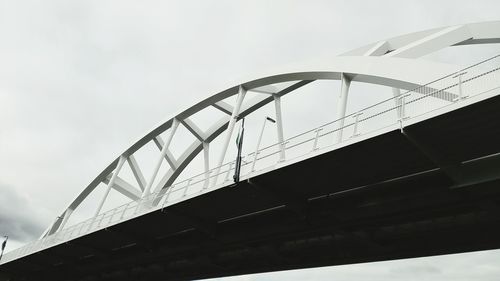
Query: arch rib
{"points": [[194, 129], [427, 41], [388, 70]]}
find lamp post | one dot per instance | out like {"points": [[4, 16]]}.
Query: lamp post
{"points": [[267, 118]]}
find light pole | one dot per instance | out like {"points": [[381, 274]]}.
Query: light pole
{"points": [[267, 118]]}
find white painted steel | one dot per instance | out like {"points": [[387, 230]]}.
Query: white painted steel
{"points": [[396, 93], [345, 83], [389, 62], [396, 79], [119, 166], [486, 84], [256, 153], [279, 125], [136, 170], [163, 153], [206, 158], [399, 73], [230, 128]]}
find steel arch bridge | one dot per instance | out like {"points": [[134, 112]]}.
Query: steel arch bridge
{"points": [[422, 90]]}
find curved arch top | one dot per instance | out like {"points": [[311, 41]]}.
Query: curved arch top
{"points": [[393, 72], [417, 44]]}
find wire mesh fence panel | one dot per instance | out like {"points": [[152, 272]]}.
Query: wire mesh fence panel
{"points": [[472, 81]]}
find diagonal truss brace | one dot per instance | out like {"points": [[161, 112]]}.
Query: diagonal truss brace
{"points": [[123, 187], [224, 107], [194, 129], [163, 153], [136, 170], [168, 155]]}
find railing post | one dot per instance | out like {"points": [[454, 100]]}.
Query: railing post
{"points": [[461, 95], [396, 93], [315, 144], [168, 194], [402, 111], [124, 210], [356, 122], [228, 172], [186, 188], [112, 216], [100, 220]]}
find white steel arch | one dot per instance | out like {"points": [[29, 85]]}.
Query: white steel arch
{"points": [[391, 63]]}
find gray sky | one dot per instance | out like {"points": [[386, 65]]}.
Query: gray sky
{"points": [[81, 80]]}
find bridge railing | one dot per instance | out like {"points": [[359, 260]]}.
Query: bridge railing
{"points": [[474, 80], [477, 79]]}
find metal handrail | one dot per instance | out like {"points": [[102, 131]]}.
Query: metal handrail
{"points": [[162, 198]]}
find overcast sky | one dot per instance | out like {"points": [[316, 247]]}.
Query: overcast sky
{"points": [[81, 80]]}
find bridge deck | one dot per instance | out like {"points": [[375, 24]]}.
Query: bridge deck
{"points": [[391, 196]]}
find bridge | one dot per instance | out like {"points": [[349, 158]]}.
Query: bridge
{"points": [[410, 176]]}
